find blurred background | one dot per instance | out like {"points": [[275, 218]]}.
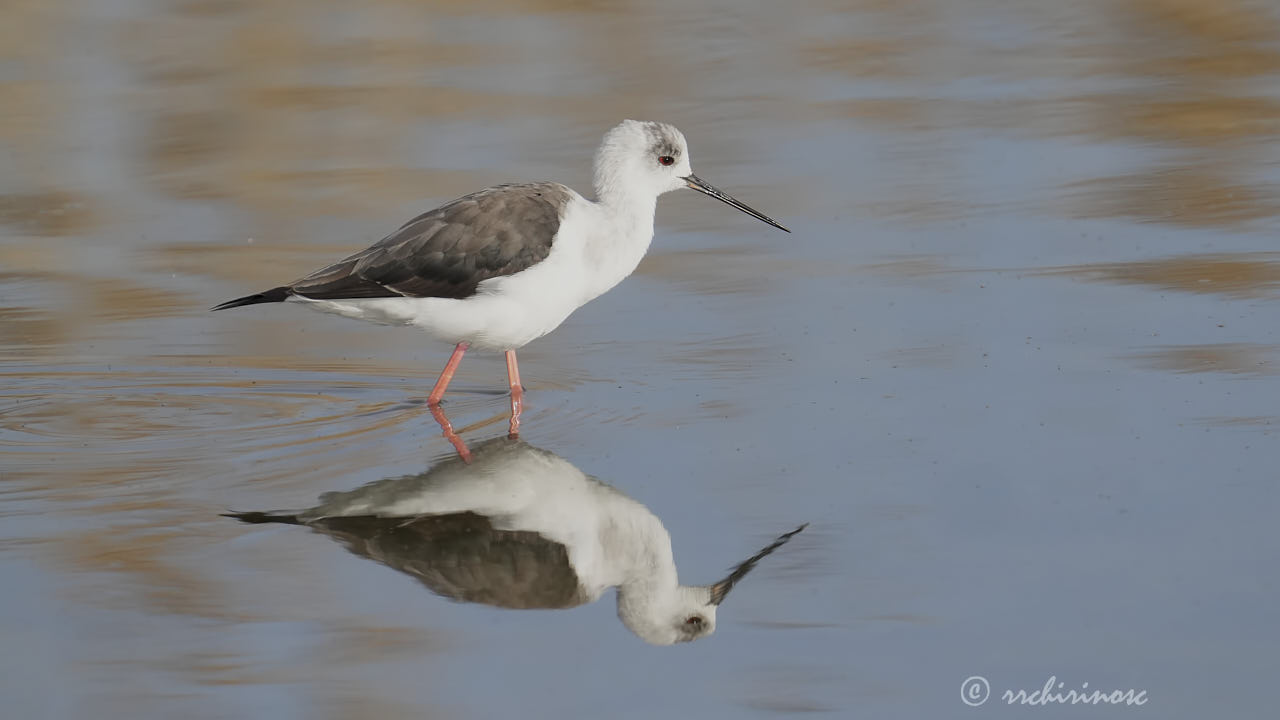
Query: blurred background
{"points": [[1017, 365]]}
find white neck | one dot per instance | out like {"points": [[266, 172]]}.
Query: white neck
{"points": [[623, 196], [618, 243]]}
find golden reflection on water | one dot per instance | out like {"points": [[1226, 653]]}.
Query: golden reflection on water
{"points": [[1231, 358], [1240, 275], [244, 110], [146, 559], [51, 213], [271, 263], [1190, 74], [1194, 59], [1197, 196], [123, 406], [80, 306]]}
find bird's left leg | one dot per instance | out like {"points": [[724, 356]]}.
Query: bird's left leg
{"points": [[437, 392], [517, 393]]}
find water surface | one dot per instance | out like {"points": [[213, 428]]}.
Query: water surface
{"points": [[1017, 365]]}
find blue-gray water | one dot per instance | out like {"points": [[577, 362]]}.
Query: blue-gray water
{"points": [[1017, 365]]}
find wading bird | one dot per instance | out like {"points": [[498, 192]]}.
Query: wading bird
{"points": [[501, 267]]}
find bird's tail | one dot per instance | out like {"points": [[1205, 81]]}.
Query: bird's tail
{"points": [[279, 294], [258, 518]]}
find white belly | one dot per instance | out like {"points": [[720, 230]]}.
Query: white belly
{"points": [[509, 312], [505, 316]]}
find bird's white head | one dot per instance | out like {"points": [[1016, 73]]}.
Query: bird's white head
{"points": [[640, 160]]}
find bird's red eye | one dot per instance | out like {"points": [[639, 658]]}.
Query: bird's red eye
{"points": [[666, 160]]}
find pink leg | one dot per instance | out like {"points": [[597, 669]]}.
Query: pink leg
{"points": [[450, 367], [449, 434], [517, 393]]}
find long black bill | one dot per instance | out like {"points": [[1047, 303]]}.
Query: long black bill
{"points": [[707, 188], [722, 588]]}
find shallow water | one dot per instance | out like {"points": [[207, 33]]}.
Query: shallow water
{"points": [[1016, 366]]}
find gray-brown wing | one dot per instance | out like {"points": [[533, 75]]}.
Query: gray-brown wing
{"points": [[448, 251], [462, 557]]}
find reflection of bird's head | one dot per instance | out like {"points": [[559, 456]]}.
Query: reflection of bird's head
{"points": [[665, 615], [665, 618]]}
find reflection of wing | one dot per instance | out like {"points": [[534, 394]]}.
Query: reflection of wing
{"points": [[462, 557]]}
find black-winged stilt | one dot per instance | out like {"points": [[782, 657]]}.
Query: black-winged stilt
{"points": [[505, 265]]}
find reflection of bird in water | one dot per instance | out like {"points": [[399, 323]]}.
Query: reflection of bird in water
{"points": [[506, 265], [519, 527]]}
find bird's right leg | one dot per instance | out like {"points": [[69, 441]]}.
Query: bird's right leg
{"points": [[437, 392], [517, 394]]}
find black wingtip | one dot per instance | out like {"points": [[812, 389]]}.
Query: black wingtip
{"points": [[258, 518], [273, 295]]}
